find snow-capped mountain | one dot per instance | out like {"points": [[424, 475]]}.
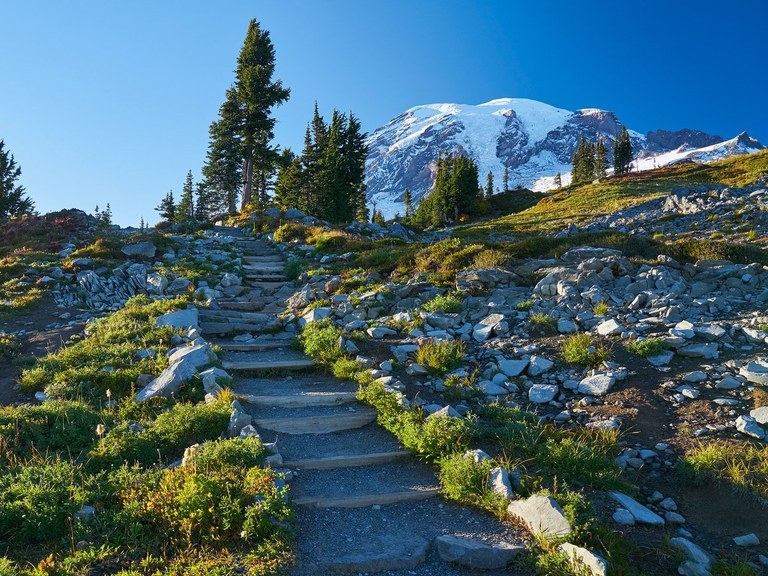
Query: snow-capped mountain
{"points": [[535, 141]]}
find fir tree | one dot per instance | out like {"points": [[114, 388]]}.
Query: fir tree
{"points": [[506, 178], [13, 202], [202, 202], [105, 218], [558, 180], [378, 217], [456, 192], [167, 208], [622, 153], [257, 94], [583, 162], [142, 224], [601, 160], [186, 207], [222, 170], [489, 185], [408, 205]]}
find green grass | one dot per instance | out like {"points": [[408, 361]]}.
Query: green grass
{"points": [[451, 303], [581, 349], [10, 348], [600, 309], [524, 306], [440, 356], [543, 323], [648, 347], [320, 340], [466, 481], [742, 466]]}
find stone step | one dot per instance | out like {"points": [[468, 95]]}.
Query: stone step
{"points": [[255, 306], [267, 260], [291, 384], [235, 327], [264, 267], [266, 278], [221, 315], [366, 500], [268, 364], [301, 399], [347, 461], [266, 284], [255, 346], [318, 424]]}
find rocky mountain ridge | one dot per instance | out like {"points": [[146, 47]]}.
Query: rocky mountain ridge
{"points": [[534, 140]]}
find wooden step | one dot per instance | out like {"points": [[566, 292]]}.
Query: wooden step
{"points": [[230, 327], [256, 346], [318, 424], [268, 364], [332, 462], [368, 499], [302, 400], [241, 306]]}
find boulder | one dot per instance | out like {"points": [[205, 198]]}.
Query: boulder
{"points": [[538, 365], [180, 319], [708, 350], [184, 364], [756, 371], [596, 385], [156, 283], [609, 327], [760, 415], [475, 554], [141, 249], [749, 426], [542, 393], [500, 484], [698, 562], [512, 368], [640, 513], [583, 559], [543, 516]]}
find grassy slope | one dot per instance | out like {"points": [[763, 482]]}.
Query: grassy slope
{"points": [[581, 204]]}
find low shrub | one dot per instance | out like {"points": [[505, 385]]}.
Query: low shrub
{"points": [[580, 349], [451, 303], [440, 356], [524, 306], [292, 232], [10, 348], [466, 481], [600, 309], [647, 347], [295, 268], [321, 340], [543, 323]]}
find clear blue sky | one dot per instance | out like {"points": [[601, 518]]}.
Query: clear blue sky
{"points": [[104, 101]]}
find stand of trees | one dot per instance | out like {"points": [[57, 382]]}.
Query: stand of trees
{"points": [[241, 159], [590, 161], [328, 179], [13, 201], [456, 192]]}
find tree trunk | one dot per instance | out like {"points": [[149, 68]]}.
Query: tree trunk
{"points": [[247, 182]]}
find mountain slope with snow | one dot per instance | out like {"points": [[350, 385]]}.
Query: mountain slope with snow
{"points": [[535, 141]]}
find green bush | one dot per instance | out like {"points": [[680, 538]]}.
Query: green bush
{"points": [[648, 347], [294, 269], [466, 481], [543, 323], [580, 349], [239, 453], [292, 231], [189, 508], [445, 303], [52, 427], [166, 437], [524, 306], [10, 348], [39, 498], [440, 356], [320, 340]]}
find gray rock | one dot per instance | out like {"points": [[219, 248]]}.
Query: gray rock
{"points": [[238, 420], [696, 376], [475, 554], [565, 326], [596, 385], [543, 516], [184, 364], [640, 513], [512, 368], [582, 558], [624, 517], [477, 455], [756, 371], [156, 283], [180, 319], [538, 365], [499, 482], [542, 393], [609, 327], [698, 563], [379, 332], [143, 249], [749, 426], [662, 359], [747, 540], [708, 350], [760, 415], [179, 286], [440, 321], [388, 552]]}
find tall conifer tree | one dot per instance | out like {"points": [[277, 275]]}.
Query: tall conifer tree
{"points": [[186, 207], [13, 201]]}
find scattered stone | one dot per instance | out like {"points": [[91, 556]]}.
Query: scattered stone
{"points": [[624, 517], [596, 385], [582, 558], [756, 371], [698, 563], [499, 482], [708, 350], [640, 513], [760, 415], [749, 426], [543, 516], [475, 554], [513, 368], [143, 249], [609, 327], [539, 365], [747, 540], [542, 393], [180, 319]]}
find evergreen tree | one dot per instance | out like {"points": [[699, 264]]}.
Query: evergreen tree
{"points": [[408, 205], [558, 180], [506, 178], [257, 94], [186, 207], [202, 202], [489, 185], [13, 202], [601, 159], [222, 170], [378, 218], [166, 208], [142, 224], [456, 191], [105, 218], [288, 182], [622, 153], [583, 162]]}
